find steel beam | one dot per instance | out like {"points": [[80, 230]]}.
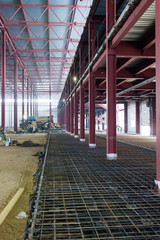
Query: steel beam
{"points": [[15, 91], [133, 18], [3, 75]]}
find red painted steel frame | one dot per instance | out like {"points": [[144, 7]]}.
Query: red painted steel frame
{"points": [[125, 117], [91, 82], [76, 114], [82, 110], [69, 120], [3, 75], [133, 18], [153, 116], [71, 115], [111, 105], [110, 86], [31, 100], [23, 78], [27, 98], [158, 88], [15, 92], [137, 117]]}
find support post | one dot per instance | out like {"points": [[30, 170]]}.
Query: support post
{"points": [[3, 75], [110, 85], [157, 15], [91, 52], [15, 92], [82, 109], [27, 98], [153, 116], [137, 117], [71, 116], [126, 117], [76, 115], [50, 103], [92, 143], [31, 100], [23, 78]]}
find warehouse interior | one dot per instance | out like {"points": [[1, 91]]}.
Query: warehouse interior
{"points": [[80, 83]]}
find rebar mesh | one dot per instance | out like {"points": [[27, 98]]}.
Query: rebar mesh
{"points": [[85, 196]]}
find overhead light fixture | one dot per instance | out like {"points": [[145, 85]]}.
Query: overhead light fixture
{"points": [[74, 78]]}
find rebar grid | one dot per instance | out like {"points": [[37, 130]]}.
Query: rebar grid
{"points": [[84, 196]]}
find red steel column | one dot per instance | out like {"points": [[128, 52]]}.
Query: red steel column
{"points": [[23, 77], [110, 85], [92, 143], [82, 108], [76, 115], [27, 98], [91, 52], [71, 115], [31, 100], [137, 117], [67, 117], [69, 120], [125, 117], [50, 104], [157, 91], [15, 92], [153, 116], [33, 103], [111, 105], [3, 75]]}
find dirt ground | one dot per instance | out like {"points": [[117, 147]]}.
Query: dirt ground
{"points": [[17, 166]]}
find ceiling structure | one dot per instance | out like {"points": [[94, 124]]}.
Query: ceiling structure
{"points": [[45, 36], [133, 37]]}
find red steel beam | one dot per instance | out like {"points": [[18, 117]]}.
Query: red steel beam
{"points": [[43, 5], [133, 18], [46, 50]]}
